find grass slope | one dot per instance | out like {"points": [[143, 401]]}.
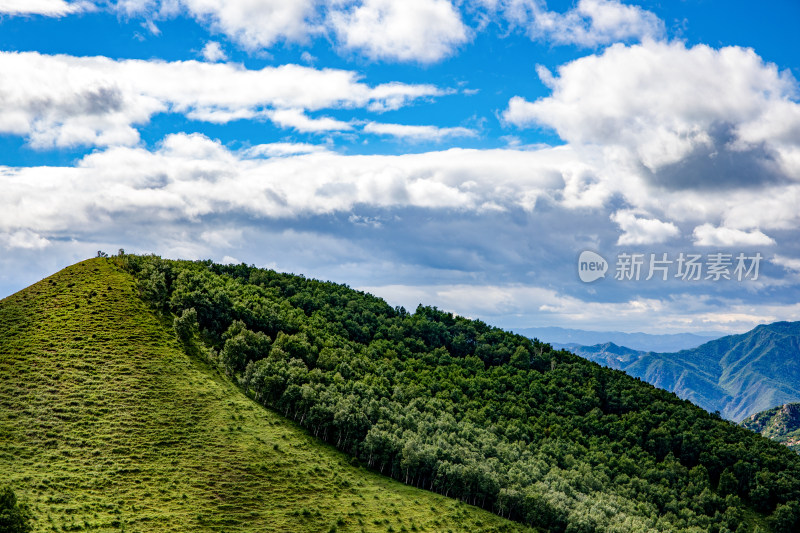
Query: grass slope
{"points": [[107, 425]]}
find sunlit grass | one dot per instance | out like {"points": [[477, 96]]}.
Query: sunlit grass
{"points": [[107, 425]]}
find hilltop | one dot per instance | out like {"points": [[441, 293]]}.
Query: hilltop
{"points": [[781, 424], [107, 424], [737, 375]]}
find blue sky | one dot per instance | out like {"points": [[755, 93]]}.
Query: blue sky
{"points": [[456, 153]]}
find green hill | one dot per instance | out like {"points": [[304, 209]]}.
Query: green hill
{"points": [[458, 407], [737, 375], [781, 424], [106, 424]]}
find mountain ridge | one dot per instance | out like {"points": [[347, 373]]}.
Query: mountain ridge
{"points": [[669, 342], [737, 375]]}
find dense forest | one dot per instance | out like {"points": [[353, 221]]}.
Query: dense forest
{"points": [[467, 410]]}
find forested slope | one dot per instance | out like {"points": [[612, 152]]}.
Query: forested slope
{"points": [[106, 424], [458, 407]]}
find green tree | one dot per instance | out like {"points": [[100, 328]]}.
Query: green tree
{"points": [[186, 325], [14, 516], [786, 518], [727, 483], [242, 346], [153, 285]]}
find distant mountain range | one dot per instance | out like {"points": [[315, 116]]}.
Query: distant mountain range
{"points": [[564, 337], [737, 375], [781, 424]]}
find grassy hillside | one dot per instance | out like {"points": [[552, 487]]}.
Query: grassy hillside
{"points": [[107, 425], [781, 424]]}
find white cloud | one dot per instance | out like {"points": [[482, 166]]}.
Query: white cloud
{"points": [[590, 23], [213, 52], [689, 155], [282, 149], [66, 101], [23, 239], [392, 96], [427, 133], [150, 26], [709, 235], [136, 7], [422, 31], [48, 8], [411, 30], [640, 230], [296, 119], [645, 99], [191, 176], [257, 24], [522, 306], [223, 237], [596, 22], [514, 300], [253, 24], [788, 263]]}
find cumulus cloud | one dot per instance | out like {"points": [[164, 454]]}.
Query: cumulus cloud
{"points": [[709, 235], [23, 239], [192, 176], [420, 133], [253, 24], [66, 101], [412, 30], [641, 230], [645, 99], [789, 263], [47, 8], [423, 31], [595, 22], [693, 134], [213, 52], [257, 24]]}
